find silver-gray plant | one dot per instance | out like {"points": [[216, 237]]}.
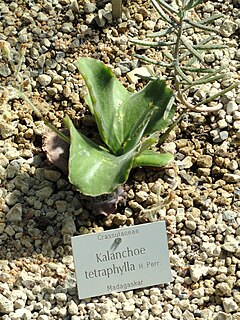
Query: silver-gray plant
{"points": [[184, 58]]}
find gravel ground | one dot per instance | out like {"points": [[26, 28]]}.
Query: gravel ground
{"points": [[198, 196]]}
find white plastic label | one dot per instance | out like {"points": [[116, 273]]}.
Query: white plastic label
{"points": [[121, 259]]}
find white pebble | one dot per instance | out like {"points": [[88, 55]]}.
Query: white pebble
{"points": [[228, 28], [231, 107], [62, 297], [236, 124], [191, 225], [6, 305], [72, 308], [197, 271], [44, 79], [231, 244], [236, 115], [198, 293], [177, 312], [128, 309], [233, 165], [222, 124], [229, 305], [223, 135]]}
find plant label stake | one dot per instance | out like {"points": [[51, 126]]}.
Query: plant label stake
{"points": [[116, 9], [121, 259]]}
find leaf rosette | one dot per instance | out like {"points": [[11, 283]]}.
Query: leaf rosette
{"points": [[123, 119]]}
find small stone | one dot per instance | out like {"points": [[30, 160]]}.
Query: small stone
{"points": [[222, 124], [41, 17], [89, 7], [141, 196], [44, 79], [7, 130], [19, 304], [214, 133], [156, 309], [231, 244], [15, 213], [119, 219], [186, 163], [67, 260], [52, 175], [177, 312], [167, 316], [229, 215], [236, 124], [61, 205], [210, 248], [149, 25], [210, 57], [204, 161], [144, 12], [206, 314], [43, 317], [187, 315], [46, 43], [229, 305], [184, 304], [223, 135], [62, 297], [3, 173], [208, 7], [133, 78], [9, 231], [223, 289], [236, 115], [197, 271], [236, 316], [4, 70], [6, 305], [13, 197], [44, 193], [138, 17], [228, 27], [3, 161], [128, 309], [233, 165], [229, 118], [100, 20], [68, 226], [72, 308], [67, 27], [74, 6], [231, 177], [191, 225], [110, 316], [89, 19], [57, 79], [154, 292]]}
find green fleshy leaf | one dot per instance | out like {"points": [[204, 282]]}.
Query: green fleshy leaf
{"points": [[123, 117], [92, 170], [161, 118], [105, 95], [151, 158], [146, 108]]}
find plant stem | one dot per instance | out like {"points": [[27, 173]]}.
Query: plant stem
{"points": [[170, 128], [178, 72]]}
